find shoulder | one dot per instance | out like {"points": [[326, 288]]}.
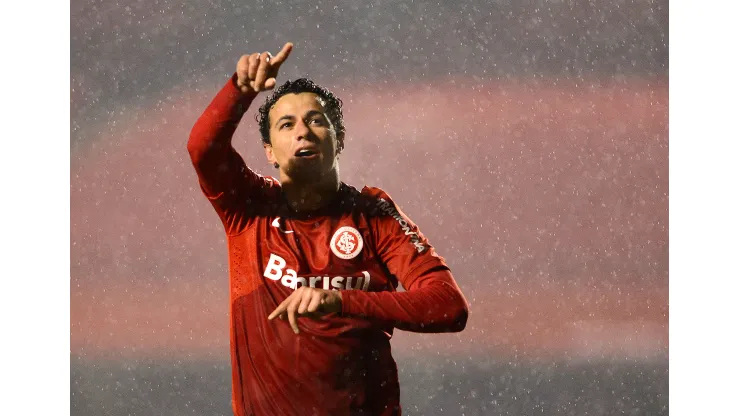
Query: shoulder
{"points": [[372, 199], [378, 202], [391, 220], [374, 192]]}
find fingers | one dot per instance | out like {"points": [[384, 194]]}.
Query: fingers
{"points": [[270, 83], [303, 304], [292, 310], [254, 60], [289, 307], [280, 309], [261, 73], [242, 70], [315, 302], [258, 71], [281, 56]]}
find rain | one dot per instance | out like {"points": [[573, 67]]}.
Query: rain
{"points": [[528, 140]]}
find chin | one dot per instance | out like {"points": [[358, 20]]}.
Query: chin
{"points": [[302, 169], [311, 170]]}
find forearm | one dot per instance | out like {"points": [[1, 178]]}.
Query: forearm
{"points": [[438, 306], [211, 135]]}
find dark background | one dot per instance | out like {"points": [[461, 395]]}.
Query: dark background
{"points": [[527, 139]]}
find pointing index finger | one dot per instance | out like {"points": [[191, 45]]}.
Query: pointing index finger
{"points": [[280, 309], [278, 59]]}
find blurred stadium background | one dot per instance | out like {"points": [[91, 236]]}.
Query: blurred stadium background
{"points": [[527, 139]]}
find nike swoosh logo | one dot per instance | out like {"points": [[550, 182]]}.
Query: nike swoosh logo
{"points": [[276, 224]]}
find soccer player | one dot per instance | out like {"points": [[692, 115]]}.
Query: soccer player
{"points": [[313, 262]]}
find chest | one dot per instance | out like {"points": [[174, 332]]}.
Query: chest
{"points": [[333, 253]]}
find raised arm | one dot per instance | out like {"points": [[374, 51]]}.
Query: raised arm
{"points": [[222, 173]]}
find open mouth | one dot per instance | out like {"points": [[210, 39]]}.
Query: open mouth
{"points": [[307, 153]]}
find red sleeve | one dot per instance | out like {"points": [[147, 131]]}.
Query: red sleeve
{"points": [[224, 178], [432, 301]]}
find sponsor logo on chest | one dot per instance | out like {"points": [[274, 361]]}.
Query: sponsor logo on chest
{"points": [[276, 270]]}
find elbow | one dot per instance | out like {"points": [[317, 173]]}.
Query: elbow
{"points": [[456, 311], [455, 317], [200, 147], [200, 139], [460, 316], [195, 148]]}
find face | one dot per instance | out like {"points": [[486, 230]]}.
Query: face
{"points": [[303, 140]]}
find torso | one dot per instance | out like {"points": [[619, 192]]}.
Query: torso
{"points": [[279, 251]]}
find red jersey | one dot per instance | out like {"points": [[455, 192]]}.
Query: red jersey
{"points": [[360, 243]]}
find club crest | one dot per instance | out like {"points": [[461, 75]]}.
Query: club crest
{"points": [[346, 243]]}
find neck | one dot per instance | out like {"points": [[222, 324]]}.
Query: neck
{"points": [[310, 196]]}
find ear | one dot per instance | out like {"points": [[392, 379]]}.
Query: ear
{"points": [[268, 153], [340, 143]]}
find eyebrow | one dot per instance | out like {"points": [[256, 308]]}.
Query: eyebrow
{"points": [[292, 117]]}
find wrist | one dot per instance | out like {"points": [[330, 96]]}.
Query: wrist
{"points": [[344, 302], [246, 92]]}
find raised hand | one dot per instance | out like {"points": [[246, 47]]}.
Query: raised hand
{"points": [[309, 302], [258, 71]]}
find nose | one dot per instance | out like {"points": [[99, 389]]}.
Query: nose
{"points": [[301, 130]]}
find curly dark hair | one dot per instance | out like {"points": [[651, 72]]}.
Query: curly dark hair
{"points": [[332, 103]]}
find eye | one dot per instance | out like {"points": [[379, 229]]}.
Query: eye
{"points": [[284, 125], [319, 121]]}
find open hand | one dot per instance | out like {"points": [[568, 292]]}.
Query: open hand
{"points": [[309, 302], [258, 71]]}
